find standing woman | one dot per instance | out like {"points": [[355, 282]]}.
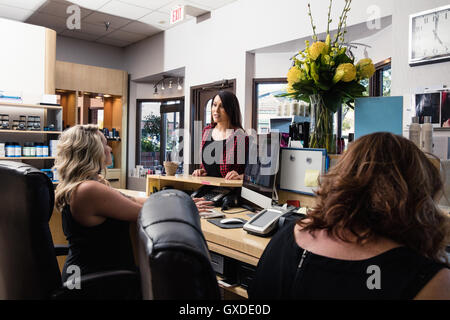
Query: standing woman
{"points": [[224, 142]]}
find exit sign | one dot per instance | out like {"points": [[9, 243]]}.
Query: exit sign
{"points": [[177, 14]]}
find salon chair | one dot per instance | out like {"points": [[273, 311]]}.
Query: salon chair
{"points": [[174, 259], [28, 265]]}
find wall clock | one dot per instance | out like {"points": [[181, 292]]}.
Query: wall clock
{"points": [[429, 36]]}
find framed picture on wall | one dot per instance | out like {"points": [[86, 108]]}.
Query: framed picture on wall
{"points": [[429, 104], [445, 109], [433, 104]]}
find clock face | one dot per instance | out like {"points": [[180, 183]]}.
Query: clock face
{"points": [[430, 35]]}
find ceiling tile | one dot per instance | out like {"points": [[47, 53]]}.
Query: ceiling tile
{"points": [[158, 19], [125, 10], [60, 9], [99, 18], [52, 22], [79, 35], [126, 36], [90, 4], [95, 29], [113, 42], [142, 28], [173, 4], [150, 4], [23, 4], [213, 4], [14, 13]]}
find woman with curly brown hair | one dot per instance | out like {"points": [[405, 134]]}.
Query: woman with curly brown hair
{"points": [[375, 232]]}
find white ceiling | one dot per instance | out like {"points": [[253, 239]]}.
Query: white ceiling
{"points": [[130, 20]]}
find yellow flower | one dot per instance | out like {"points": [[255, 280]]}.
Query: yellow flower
{"points": [[345, 72], [365, 68], [316, 49], [294, 75]]}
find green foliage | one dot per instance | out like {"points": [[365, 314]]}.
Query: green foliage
{"points": [[152, 126], [147, 145]]}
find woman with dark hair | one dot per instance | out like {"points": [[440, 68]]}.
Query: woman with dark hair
{"points": [[375, 233], [224, 142]]}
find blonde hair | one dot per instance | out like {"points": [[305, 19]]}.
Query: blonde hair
{"points": [[79, 157]]}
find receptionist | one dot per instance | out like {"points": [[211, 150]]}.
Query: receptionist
{"points": [[224, 142]]}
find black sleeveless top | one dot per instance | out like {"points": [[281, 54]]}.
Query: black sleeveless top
{"points": [[287, 271], [213, 169], [100, 248]]}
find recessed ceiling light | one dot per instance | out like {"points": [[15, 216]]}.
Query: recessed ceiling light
{"points": [[162, 22]]}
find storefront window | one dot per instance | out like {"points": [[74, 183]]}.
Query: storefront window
{"points": [[158, 124]]}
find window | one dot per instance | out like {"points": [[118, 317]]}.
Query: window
{"points": [[380, 83], [158, 121], [265, 101]]}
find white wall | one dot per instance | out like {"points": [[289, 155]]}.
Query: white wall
{"points": [[217, 48], [272, 65], [89, 53], [405, 79], [22, 60]]}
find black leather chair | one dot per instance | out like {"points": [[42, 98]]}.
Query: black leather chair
{"points": [[173, 256], [28, 265]]}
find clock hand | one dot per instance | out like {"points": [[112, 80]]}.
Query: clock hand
{"points": [[437, 37]]}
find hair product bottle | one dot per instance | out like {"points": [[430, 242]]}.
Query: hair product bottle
{"points": [[414, 131], [427, 135]]}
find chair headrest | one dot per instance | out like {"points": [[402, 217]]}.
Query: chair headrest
{"points": [[17, 167], [171, 209], [20, 178]]}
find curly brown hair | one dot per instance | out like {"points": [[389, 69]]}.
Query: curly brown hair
{"points": [[383, 186]]}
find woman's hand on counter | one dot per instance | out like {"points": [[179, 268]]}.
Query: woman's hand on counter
{"points": [[199, 173], [233, 175], [202, 204]]}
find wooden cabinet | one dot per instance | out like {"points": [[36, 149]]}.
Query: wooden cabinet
{"points": [[77, 84]]}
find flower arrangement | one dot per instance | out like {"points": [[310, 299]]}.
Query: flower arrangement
{"points": [[326, 68], [325, 73]]}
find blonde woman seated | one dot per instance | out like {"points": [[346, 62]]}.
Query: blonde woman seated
{"points": [[95, 217]]}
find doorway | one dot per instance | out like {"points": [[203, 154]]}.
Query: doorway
{"points": [[202, 97]]}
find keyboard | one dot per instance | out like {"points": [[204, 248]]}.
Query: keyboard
{"points": [[211, 195]]}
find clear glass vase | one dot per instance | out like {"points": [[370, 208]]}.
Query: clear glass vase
{"points": [[322, 120]]}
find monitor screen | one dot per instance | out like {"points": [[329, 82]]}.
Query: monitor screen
{"points": [[261, 169]]}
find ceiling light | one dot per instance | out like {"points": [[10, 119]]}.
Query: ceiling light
{"points": [[156, 90], [170, 84], [179, 85], [162, 85], [107, 95]]}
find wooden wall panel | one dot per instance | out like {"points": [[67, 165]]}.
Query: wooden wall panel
{"points": [[50, 61], [73, 76]]}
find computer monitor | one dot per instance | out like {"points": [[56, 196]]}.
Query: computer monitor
{"points": [[261, 169]]}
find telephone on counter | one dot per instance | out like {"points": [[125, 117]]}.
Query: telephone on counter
{"points": [[212, 193]]}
